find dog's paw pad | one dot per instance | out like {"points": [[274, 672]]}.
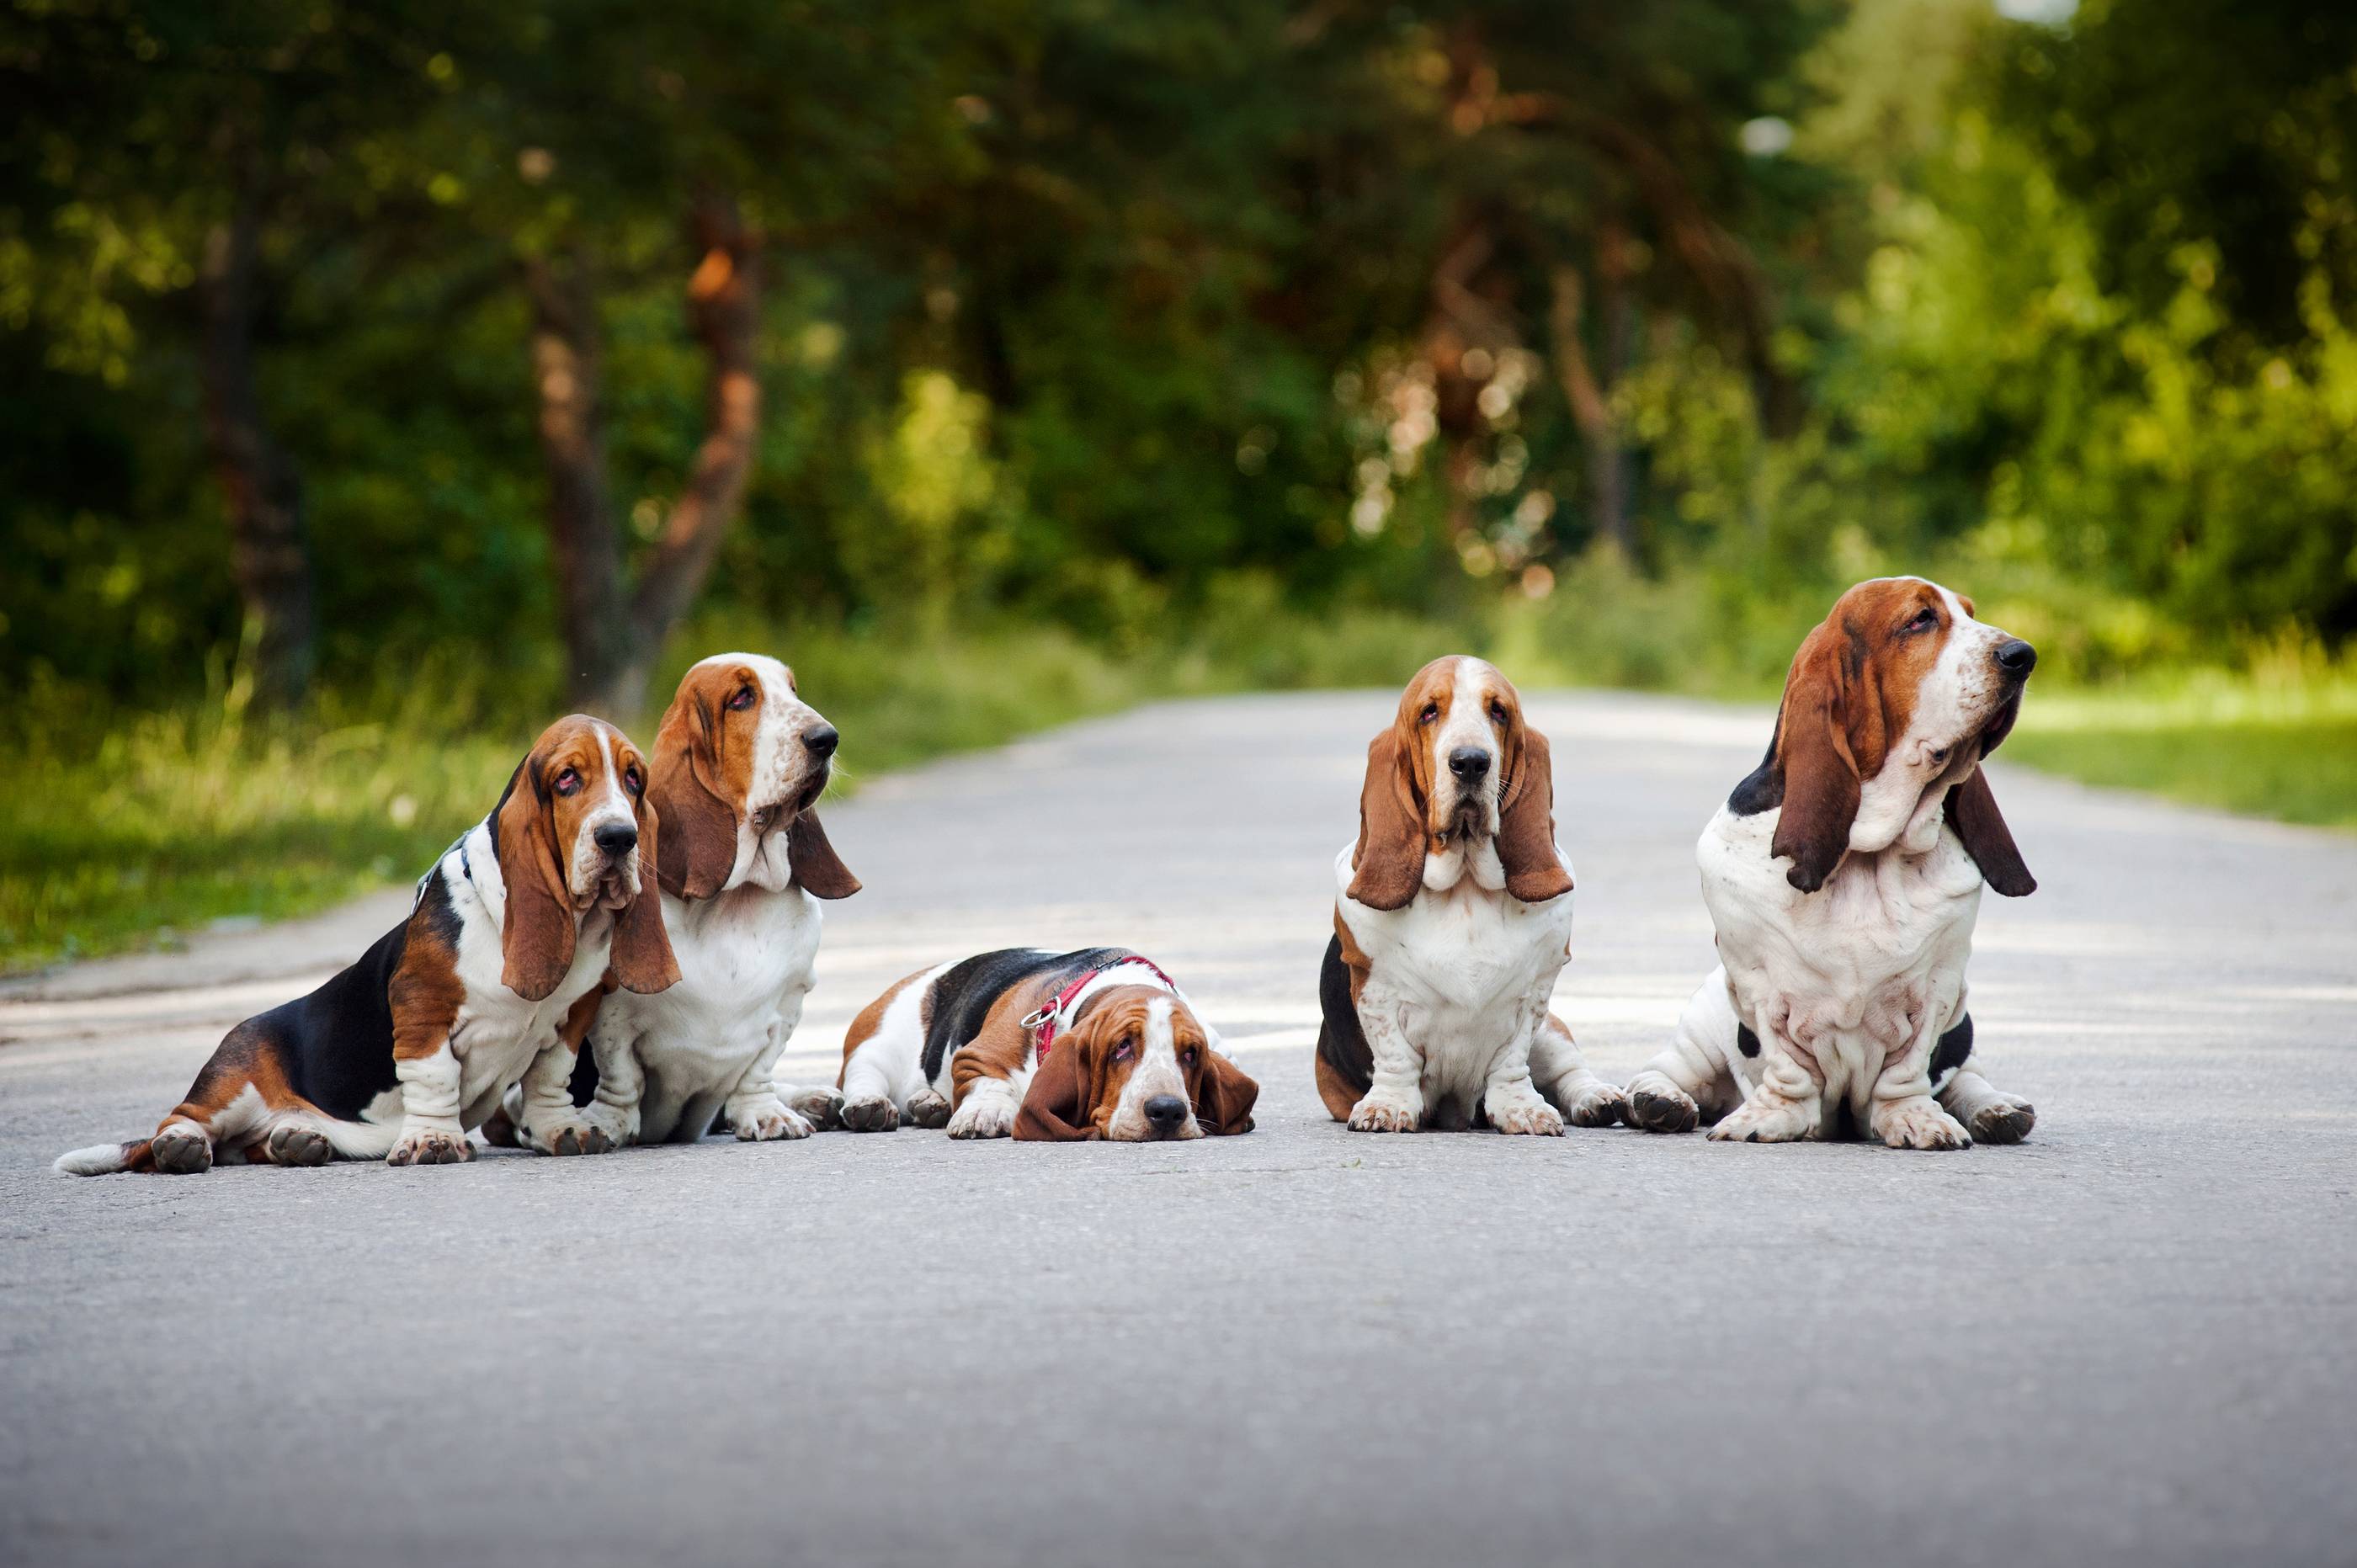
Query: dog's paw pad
{"points": [[873, 1115]]}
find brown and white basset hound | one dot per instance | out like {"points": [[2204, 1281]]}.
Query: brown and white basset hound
{"points": [[488, 981], [740, 764], [1843, 877], [1051, 1047], [1452, 917]]}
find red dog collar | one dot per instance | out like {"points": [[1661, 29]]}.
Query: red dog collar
{"points": [[1055, 1017]]}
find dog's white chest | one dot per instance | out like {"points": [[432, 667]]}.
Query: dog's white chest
{"points": [[744, 959], [1461, 966], [1850, 970]]}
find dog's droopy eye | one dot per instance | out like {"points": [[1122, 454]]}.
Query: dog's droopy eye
{"points": [[1925, 619], [632, 781], [1431, 712], [567, 782], [1187, 1057], [1125, 1047], [1498, 712], [741, 699]]}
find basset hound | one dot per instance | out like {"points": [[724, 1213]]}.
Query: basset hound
{"points": [[739, 763], [487, 983], [1043, 1046], [1452, 917], [1843, 877]]}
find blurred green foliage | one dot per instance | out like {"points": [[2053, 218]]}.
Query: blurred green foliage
{"points": [[1172, 346]]}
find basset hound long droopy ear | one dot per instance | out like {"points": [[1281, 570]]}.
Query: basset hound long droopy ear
{"points": [[642, 958], [536, 936], [1534, 872], [1060, 1105], [817, 868], [698, 847], [1387, 867], [1972, 811], [1821, 788], [1223, 1094]]}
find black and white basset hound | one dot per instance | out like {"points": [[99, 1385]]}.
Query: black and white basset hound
{"points": [[1041, 1046], [1843, 877], [489, 982], [1452, 917]]}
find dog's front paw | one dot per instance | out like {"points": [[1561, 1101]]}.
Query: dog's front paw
{"points": [[2004, 1120], [1919, 1123], [1765, 1119], [983, 1116], [1384, 1113], [1601, 1105], [820, 1107], [873, 1114], [1657, 1105], [767, 1120], [430, 1147], [568, 1138], [292, 1143], [929, 1109], [1527, 1115], [182, 1149]]}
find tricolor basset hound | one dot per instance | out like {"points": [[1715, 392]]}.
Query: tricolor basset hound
{"points": [[1843, 877], [739, 763], [1042, 1045], [488, 982], [1452, 917]]}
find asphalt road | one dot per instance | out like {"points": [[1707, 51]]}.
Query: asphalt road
{"points": [[2133, 1339]]}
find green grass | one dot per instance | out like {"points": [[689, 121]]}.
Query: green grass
{"points": [[164, 823], [132, 832], [2278, 742]]}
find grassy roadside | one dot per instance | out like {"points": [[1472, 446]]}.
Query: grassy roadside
{"points": [[166, 823], [2280, 745], [159, 824]]}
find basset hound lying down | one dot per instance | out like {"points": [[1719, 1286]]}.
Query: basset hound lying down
{"points": [[1452, 917], [489, 982], [739, 763], [1044, 1045], [1843, 877]]}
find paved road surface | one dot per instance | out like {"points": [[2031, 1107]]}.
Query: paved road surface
{"points": [[2132, 1340]]}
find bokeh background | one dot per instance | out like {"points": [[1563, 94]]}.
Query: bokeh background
{"points": [[381, 380]]}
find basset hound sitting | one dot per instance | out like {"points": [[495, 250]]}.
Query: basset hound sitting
{"points": [[488, 981], [1045, 1046], [740, 764], [1843, 877], [1452, 917]]}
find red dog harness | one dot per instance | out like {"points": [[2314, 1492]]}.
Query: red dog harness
{"points": [[1056, 1017]]}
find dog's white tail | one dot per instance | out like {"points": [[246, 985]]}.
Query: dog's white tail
{"points": [[99, 1159]]}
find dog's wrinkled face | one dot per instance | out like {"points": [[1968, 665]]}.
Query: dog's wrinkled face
{"points": [[1932, 690], [743, 758], [1140, 1052], [1465, 721], [590, 782], [1891, 703], [577, 831]]}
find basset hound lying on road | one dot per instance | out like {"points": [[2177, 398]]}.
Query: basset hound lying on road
{"points": [[1843, 877], [740, 764], [1451, 921], [488, 982], [1044, 1045]]}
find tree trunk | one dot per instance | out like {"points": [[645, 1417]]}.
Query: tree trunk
{"points": [[267, 551], [1591, 410], [586, 547], [723, 309]]}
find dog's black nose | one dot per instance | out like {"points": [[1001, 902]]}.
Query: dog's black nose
{"points": [[2016, 658], [1165, 1113], [1469, 762], [616, 838], [823, 740]]}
